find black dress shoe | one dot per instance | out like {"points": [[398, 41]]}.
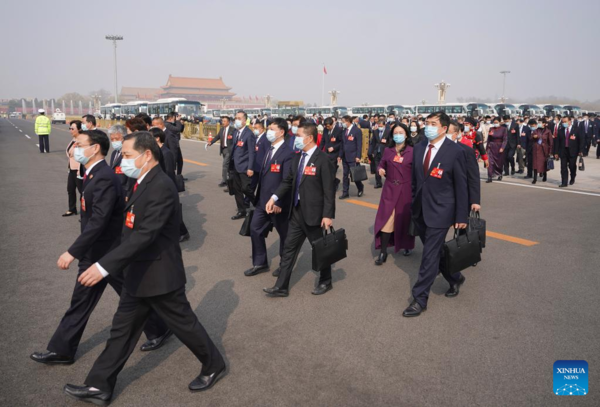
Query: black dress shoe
{"points": [[222, 184], [407, 252], [526, 177], [381, 259], [225, 190], [51, 358], [520, 172], [512, 172], [489, 180], [571, 182], [361, 192], [413, 310], [545, 178], [183, 238], [322, 289], [562, 186], [204, 382], [156, 343], [185, 179], [500, 177], [455, 288], [83, 393], [534, 181], [69, 213], [378, 186], [276, 272], [276, 292], [239, 215], [345, 196], [256, 270]]}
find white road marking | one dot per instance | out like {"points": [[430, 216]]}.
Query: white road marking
{"points": [[27, 136], [194, 141], [21, 130], [546, 188]]}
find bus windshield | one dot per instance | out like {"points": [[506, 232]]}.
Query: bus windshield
{"points": [[187, 109]]}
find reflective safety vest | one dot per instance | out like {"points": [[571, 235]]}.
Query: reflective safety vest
{"points": [[42, 125]]}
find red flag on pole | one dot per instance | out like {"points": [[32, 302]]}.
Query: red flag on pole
{"points": [[324, 70]]}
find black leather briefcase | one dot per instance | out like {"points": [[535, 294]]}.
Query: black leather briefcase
{"points": [[358, 173], [245, 229], [581, 164], [463, 251], [230, 185], [477, 224], [180, 183], [329, 249], [550, 163]]}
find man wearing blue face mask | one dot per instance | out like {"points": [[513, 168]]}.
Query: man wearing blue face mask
{"points": [[116, 134], [241, 164], [261, 147], [350, 153]]}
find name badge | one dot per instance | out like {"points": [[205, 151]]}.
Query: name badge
{"points": [[240, 143], [310, 170], [256, 148], [383, 141], [275, 167], [83, 203], [332, 140], [398, 159], [513, 131], [350, 138], [572, 137], [130, 219], [229, 137], [437, 173], [118, 170]]}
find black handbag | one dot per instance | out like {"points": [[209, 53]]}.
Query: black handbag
{"points": [[412, 229], [230, 186], [462, 252], [581, 164], [329, 249], [179, 183], [358, 173], [477, 224], [550, 163], [245, 229]]}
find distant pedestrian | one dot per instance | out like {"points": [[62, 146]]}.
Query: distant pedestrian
{"points": [[43, 128], [75, 179]]}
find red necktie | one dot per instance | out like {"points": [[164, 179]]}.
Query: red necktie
{"points": [[427, 158], [135, 187], [85, 177]]}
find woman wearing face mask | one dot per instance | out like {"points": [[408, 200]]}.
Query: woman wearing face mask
{"points": [[541, 138], [497, 139], [393, 215], [75, 179], [416, 134]]}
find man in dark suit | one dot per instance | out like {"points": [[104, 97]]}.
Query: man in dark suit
{"points": [[260, 150], [150, 257], [586, 128], [116, 134], [332, 137], [311, 185], [377, 145], [101, 223], [513, 141], [171, 140], [225, 134], [555, 125], [275, 167], [596, 141], [176, 126], [568, 146], [440, 200], [524, 134], [527, 148], [241, 165], [350, 153]]}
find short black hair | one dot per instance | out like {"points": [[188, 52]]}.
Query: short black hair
{"points": [[506, 117], [142, 141], [100, 138], [532, 122], [347, 118], [408, 141], [171, 115], [144, 116], [310, 129], [260, 123], [226, 117], [365, 116], [281, 124], [89, 118], [328, 121], [136, 124], [158, 133], [442, 117], [301, 120], [244, 113], [455, 124], [77, 124]]}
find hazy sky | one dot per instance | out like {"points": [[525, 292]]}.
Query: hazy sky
{"points": [[375, 51]]}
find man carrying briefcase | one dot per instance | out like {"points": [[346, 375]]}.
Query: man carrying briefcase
{"points": [[311, 182]]}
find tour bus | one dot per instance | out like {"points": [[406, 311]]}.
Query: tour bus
{"points": [[452, 109], [227, 112], [253, 112], [480, 110], [131, 109], [111, 111], [370, 110], [553, 110], [532, 110], [574, 111], [294, 111], [187, 109], [400, 110], [275, 112], [507, 109], [327, 111]]}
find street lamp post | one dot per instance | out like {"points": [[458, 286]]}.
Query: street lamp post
{"points": [[504, 85], [114, 39]]}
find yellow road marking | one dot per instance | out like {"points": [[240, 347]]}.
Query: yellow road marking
{"points": [[195, 162], [495, 235]]}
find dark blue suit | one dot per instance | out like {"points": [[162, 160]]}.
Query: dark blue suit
{"points": [[527, 149], [242, 160], [260, 149], [438, 203], [588, 134], [268, 182], [351, 150], [473, 182], [377, 145]]}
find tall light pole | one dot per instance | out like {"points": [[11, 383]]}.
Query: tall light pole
{"points": [[504, 85], [114, 39]]}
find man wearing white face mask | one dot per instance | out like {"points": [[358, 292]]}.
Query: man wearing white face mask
{"points": [[473, 183], [116, 134], [241, 165]]}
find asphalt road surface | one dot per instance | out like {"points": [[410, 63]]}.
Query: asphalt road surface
{"points": [[534, 299]]}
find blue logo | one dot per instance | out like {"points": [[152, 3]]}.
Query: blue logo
{"points": [[571, 378]]}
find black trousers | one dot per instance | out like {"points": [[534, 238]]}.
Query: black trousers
{"points": [[598, 149], [588, 145], [261, 220], [377, 160], [128, 322], [509, 158], [568, 164], [298, 231], [333, 158], [346, 179], [179, 161], [182, 228], [67, 336], [529, 156], [44, 143], [74, 185], [432, 262], [242, 187]]}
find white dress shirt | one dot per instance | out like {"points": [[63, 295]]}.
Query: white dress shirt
{"points": [[87, 170], [309, 154], [225, 131]]}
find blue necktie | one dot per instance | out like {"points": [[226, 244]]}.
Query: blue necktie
{"points": [[298, 179]]}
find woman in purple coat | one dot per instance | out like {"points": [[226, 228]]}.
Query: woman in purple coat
{"points": [[393, 215], [542, 141], [496, 144]]}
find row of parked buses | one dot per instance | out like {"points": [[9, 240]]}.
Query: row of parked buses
{"points": [[189, 110]]}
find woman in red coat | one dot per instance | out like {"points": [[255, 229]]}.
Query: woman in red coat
{"points": [[393, 215], [497, 138], [542, 141]]}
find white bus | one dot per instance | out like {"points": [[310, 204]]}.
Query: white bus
{"points": [[327, 111], [507, 109], [187, 109], [451, 109], [131, 109], [532, 110], [111, 111]]}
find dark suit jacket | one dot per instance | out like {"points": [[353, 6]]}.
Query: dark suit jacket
{"points": [[441, 202], [176, 128], [260, 150], [149, 253], [513, 137], [220, 136], [317, 192], [102, 219], [115, 164], [169, 161], [473, 182], [575, 144], [379, 141], [526, 143], [351, 149], [590, 130], [242, 157], [171, 140], [269, 181], [336, 136]]}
